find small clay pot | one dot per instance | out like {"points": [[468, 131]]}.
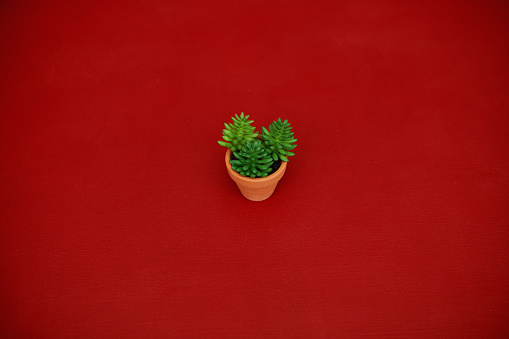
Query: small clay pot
{"points": [[256, 189]]}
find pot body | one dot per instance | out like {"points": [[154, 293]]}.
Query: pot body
{"points": [[256, 189]]}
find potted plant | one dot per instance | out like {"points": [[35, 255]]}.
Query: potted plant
{"points": [[257, 162]]}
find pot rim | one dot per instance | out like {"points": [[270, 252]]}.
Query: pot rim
{"points": [[276, 175]]}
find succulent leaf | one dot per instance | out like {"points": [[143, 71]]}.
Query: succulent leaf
{"points": [[238, 132], [279, 139], [253, 160]]}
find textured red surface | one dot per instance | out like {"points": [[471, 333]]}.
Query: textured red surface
{"points": [[118, 218]]}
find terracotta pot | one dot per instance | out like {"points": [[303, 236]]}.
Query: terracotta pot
{"points": [[256, 189]]}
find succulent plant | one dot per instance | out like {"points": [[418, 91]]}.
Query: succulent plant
{"points": [[236, 134], [279, 140], [254, 156], [253, 160]]}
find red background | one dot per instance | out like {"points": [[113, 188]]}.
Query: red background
{"points": [[118, 218]]}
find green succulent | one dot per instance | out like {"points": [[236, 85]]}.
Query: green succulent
{"points": [[236, 134], [253, 160], [252, 156], [279, 140]]}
